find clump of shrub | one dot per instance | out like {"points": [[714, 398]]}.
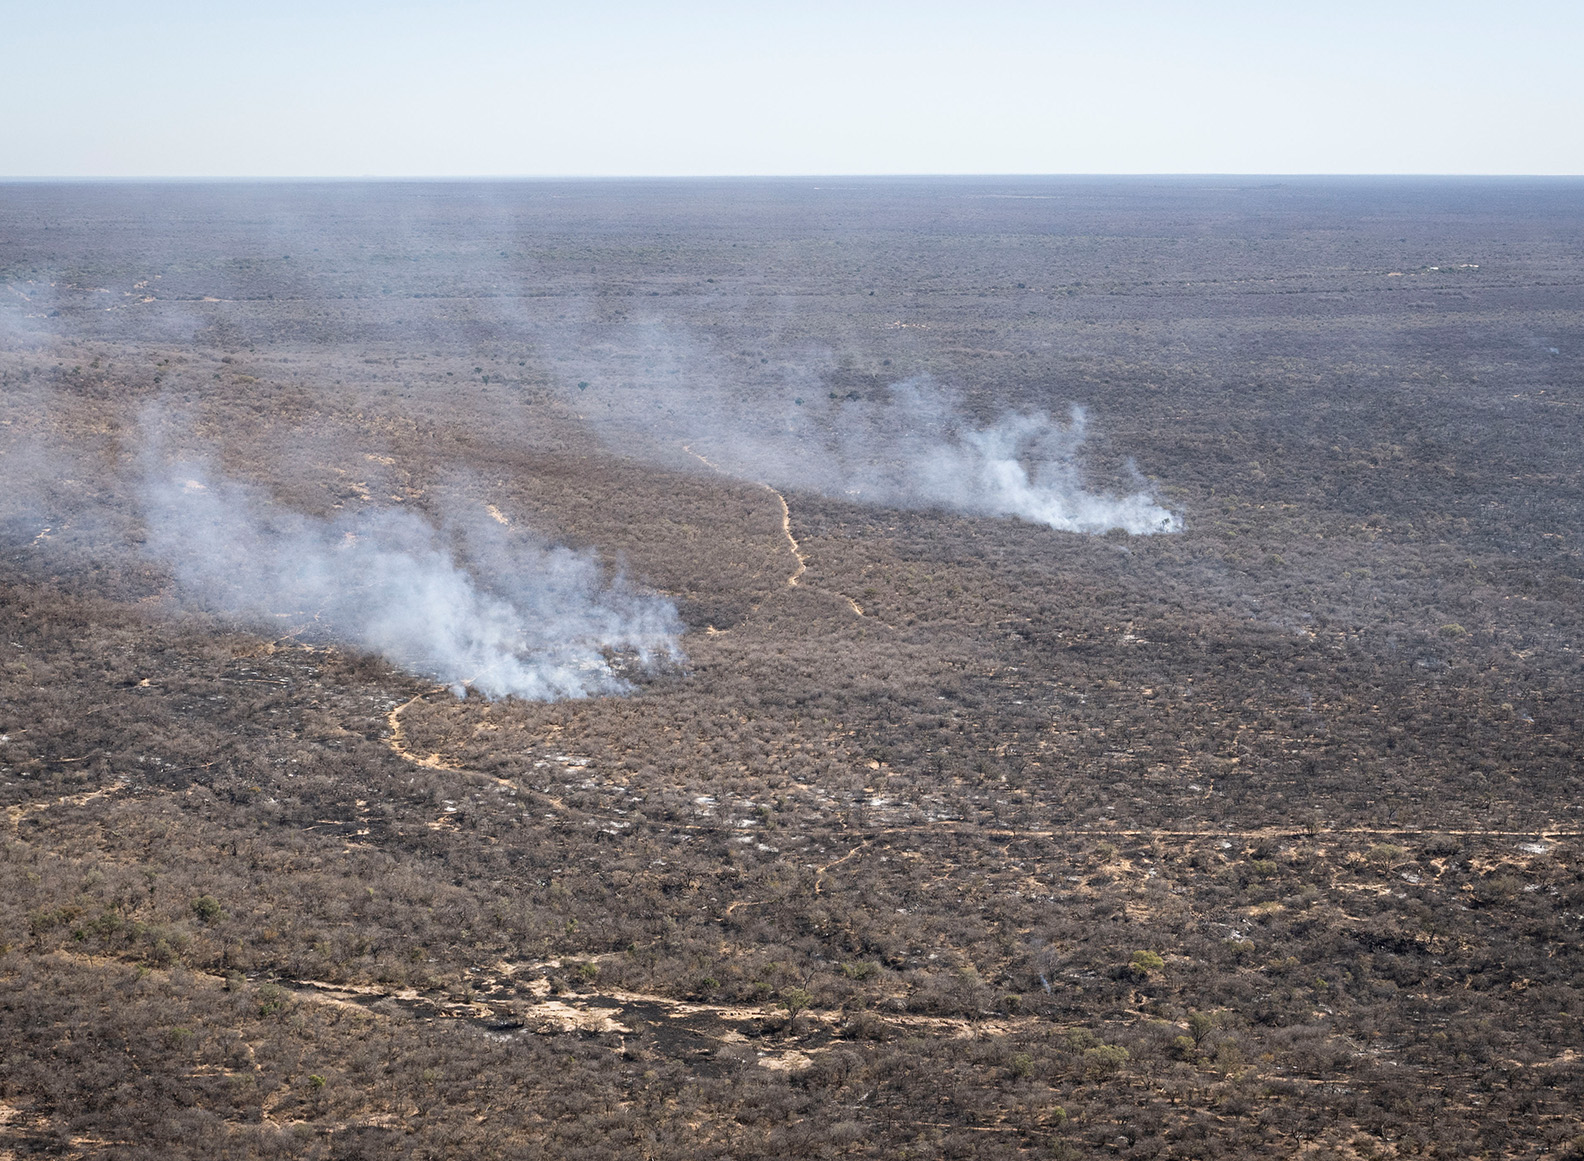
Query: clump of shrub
{"points": [[1104, 1059], [1142, 963], [1385, 854]]}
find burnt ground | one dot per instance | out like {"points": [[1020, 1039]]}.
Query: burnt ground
{"points": [[980, 840]]}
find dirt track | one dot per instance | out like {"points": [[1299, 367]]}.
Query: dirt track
{"points": [[786, 531]]}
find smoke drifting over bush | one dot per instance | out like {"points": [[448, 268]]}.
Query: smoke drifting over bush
{"points": [[914, 444], [918, 448], [466, 600], [471, 603]]}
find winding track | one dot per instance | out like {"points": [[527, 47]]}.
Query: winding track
{"points": [[398, 736], [786, 529]]}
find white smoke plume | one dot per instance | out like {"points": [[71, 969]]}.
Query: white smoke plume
{"points": [[469, 603], [919, 449], [655, 389]]}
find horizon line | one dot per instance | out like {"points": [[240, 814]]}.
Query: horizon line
{"points": [[20, 179]]}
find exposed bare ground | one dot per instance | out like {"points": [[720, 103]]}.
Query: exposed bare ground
{"points": [[8, 1116], [15, 814], [529, 1004]]}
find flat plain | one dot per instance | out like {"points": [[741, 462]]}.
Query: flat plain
{"points": [[982, 839]]}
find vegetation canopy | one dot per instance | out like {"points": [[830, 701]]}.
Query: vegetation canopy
{"points": [[767, 801]]}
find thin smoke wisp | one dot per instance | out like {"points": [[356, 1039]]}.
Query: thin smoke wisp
{"points": [[468, 602]]}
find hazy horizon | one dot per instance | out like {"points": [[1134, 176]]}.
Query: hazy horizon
{"points": [[348, 89], [669, 178]]}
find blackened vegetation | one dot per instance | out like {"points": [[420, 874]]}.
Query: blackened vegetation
{"points": [[1257, 839]]}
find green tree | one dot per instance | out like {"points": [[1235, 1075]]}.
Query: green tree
{"points": [[1143, 963], [794, 1000]]}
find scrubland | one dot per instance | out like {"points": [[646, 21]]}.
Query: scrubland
{"points": [[980, 840]]}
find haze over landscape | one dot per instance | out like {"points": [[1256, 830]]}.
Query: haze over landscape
{"points": [[776, 665]]}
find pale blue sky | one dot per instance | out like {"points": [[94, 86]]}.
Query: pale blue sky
{"points": [[481, 87]]}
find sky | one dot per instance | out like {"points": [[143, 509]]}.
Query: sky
{"points": [[352, 88]]}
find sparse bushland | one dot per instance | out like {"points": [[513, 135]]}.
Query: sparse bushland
{"points": [[1208, 843]]}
